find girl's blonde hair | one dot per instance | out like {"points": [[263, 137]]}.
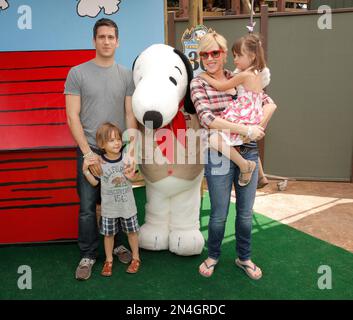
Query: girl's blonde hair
{"points": [[104, 133], [251, 43], [211, 38]]}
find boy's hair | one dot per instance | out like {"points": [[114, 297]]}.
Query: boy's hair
{"points": [[211, 38], [251, 44], [105, 22], [104, 133]]}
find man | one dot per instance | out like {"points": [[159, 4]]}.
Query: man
{"points": [[97, 91]]}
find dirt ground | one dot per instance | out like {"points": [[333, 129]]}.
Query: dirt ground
{"points": [[321, 209]]}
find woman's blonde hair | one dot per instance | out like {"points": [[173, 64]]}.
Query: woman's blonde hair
{"points": [[251, 43], [104, 133], [211, 38]]}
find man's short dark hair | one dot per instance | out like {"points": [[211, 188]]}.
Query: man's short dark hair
{"points": [[105, 22]]}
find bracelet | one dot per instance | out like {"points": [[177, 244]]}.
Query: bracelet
{"points": [[248, 135], [86, 172], [88, 154]]}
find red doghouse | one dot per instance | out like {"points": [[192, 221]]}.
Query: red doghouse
{"points": [[38, 199]]}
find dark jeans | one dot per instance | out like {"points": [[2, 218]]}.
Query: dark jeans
{"points": [[88, 233], [220, 178]]}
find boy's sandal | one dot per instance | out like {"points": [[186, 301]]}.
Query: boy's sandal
{"points": [[107, 269], [210, 269], [262, 182], [134, 266], [251, 167], [250, 271]]}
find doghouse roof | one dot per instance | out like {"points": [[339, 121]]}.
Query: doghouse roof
{"points": [[32, 103]]}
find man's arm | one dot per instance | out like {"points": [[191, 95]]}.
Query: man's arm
{"points": [[73, 108]]}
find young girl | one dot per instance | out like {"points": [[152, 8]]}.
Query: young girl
{"points": [[248, 108], [118, 203]]}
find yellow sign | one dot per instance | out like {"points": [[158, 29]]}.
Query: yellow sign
{"points": [[190, 41]]}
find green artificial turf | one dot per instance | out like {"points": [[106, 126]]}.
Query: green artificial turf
{"points": [[290, 261]]}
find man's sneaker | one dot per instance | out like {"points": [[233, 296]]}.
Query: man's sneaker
{"points": [[84, 269], [124, 255]]}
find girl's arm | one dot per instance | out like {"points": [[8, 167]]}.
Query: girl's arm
{"points": [[225, 85], [89, 176]]}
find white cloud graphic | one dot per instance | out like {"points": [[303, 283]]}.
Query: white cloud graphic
{"points": [[92, 8], [3, 5]]}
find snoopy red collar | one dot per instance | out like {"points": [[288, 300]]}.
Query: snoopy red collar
{"points": [[164, 136]]}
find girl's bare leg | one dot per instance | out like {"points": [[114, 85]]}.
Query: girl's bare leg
{"points": [[246, 166]]}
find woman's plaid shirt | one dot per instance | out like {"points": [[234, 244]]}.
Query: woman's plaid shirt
{"points": [[209, 102]]}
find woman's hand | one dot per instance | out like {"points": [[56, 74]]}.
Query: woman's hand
{"points": [[255, 133]]}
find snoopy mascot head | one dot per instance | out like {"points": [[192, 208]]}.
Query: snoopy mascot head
{"points": [[161, 100], [162, 76]]}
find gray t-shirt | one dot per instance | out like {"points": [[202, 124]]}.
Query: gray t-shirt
{"points": [[116, 191], [102, 91]]}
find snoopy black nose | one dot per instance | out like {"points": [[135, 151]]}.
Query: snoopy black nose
{"points": [[153, 119]]}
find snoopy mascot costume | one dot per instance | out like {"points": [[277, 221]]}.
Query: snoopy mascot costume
{"points": [[171, 159]]}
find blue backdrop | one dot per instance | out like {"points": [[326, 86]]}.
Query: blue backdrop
{"points": [[56, 25]]}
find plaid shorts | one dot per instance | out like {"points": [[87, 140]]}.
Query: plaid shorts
{"points": [[111, 226]]}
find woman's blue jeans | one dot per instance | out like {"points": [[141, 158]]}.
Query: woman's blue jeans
{"points": [[221, 173]]}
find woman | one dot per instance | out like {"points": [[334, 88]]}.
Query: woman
{"points": [[221, 173]]}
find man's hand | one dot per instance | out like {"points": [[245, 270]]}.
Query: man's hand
{"points": [[87, 162], [95, 164]]}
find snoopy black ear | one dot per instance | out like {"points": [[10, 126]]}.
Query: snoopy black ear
{"points": [[188, 105], [133, 64]]}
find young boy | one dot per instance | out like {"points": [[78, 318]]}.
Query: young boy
{"points": [[118, 203]]}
